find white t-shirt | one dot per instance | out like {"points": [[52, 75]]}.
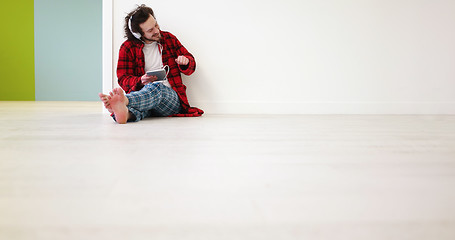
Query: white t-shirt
{"points": [[153, 59]]}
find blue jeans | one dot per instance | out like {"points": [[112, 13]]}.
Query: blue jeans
{"points": [[153, 100]]}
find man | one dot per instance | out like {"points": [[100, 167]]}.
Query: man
{"points": [[148, 48]]}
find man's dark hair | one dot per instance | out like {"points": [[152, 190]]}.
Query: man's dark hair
{"points": [[140, 15]]}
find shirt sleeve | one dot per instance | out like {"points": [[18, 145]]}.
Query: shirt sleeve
{"points": [[181, 50], [125, 70]]}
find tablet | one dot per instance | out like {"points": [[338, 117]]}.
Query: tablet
{"points": [[160, 74]]}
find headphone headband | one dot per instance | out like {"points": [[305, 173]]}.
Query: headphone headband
{"points": [[135, 34]]}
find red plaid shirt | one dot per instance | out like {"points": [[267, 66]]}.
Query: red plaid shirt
{"points": [[131, 63]]}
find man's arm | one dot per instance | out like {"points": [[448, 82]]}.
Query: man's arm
{"points": [[125, 70], [185, 60]]}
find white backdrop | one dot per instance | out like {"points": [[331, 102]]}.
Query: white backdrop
{"points": [[312, 56]]}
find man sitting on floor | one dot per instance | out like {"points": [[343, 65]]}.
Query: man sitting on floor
{"points": [[148, 48]]}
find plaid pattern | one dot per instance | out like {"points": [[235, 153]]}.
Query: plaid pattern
{"points": [[154, 99], [131, 64]]}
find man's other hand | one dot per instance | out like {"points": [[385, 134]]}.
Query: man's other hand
{"points": [[182, 60]]}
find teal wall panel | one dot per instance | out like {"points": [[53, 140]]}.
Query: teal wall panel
{"points": [[68, 50]]}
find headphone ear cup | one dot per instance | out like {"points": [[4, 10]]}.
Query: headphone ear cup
{"points": [[135, 34]]}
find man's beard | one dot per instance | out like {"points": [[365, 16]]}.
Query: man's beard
{"points": [[157, 38]]}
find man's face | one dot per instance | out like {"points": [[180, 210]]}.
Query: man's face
{"points": [[151, 30]]}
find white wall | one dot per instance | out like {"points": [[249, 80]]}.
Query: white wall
{"points": [[313, 56]]}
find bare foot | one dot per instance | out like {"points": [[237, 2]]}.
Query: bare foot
{"points": [[105, 99], [118, 102]]}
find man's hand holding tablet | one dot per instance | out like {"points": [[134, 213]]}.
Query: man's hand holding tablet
{"points": [[152, 76]]}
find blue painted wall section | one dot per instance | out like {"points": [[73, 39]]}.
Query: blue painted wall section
{"points": [[68, 50]]}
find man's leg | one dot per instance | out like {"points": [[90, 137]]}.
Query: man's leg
{"points": [[116, 102], [169, 103], [152, 99], [147, 98]]}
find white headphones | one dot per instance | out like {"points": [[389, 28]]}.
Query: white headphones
{"points": [[135, 34]]}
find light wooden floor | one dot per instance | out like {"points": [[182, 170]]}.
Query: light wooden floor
{"points": [[67, 171]]}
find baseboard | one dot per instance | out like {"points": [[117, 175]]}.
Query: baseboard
{"points": [[326, 107]]}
